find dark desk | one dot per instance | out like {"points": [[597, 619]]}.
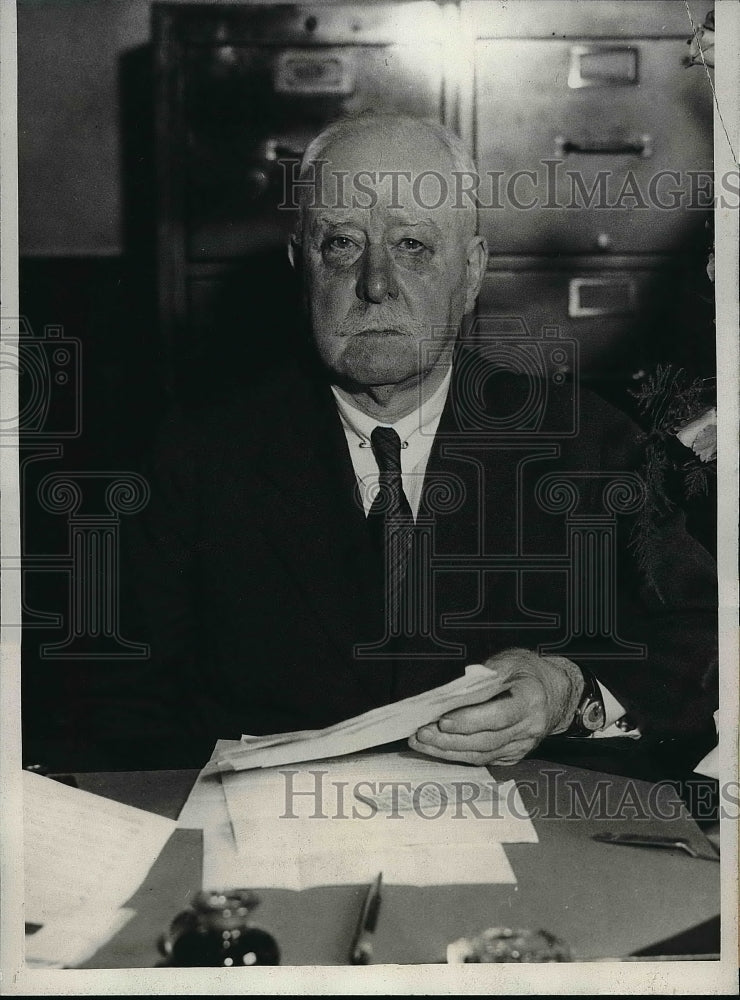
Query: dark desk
{"points": [[604, 900]]}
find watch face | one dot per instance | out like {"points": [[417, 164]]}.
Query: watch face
{"points": [[593, 717]]}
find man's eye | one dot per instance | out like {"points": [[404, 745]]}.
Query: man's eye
{"points": [[340, 243], [410, 245]]}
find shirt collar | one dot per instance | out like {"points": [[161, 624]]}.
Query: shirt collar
{"points": [[422, 421]]}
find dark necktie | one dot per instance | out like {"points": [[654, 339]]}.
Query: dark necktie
{"points": [[390, 519], [390, 508]]}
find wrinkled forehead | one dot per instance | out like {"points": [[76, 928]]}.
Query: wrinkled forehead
{"points": [[379, 149], [399, 175]]}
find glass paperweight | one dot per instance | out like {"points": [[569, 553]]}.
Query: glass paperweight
{"points": [[504, 944]]}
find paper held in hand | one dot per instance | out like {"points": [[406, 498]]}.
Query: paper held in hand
{"points": [[396, 721]]}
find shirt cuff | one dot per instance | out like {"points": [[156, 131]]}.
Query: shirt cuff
{"points": [[612, 708], [613, 711]]}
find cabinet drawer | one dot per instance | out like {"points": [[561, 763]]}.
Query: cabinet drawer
{"points": [[601, 313], [599, 124], [584, 18], [270, 101]]}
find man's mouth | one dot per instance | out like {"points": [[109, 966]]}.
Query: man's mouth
{"points": [[380, 332]]}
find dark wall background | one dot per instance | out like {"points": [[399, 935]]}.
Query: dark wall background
{"points": [[86, 265], [87, 198]]}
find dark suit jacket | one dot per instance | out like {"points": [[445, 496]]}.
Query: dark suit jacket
{"points": [[254, 577]]}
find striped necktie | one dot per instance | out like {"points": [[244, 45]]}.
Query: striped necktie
{"points": [[390, 507], [390, 519]]}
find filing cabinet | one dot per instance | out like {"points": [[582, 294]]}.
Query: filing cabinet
{"points": [[600, 310], [272, 100], [241, 89], [605, 161], [593, 140]]}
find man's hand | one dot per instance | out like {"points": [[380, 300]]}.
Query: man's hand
{"points": [[541, 697]]}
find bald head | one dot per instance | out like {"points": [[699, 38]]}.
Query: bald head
{"points": [[411, 159]]}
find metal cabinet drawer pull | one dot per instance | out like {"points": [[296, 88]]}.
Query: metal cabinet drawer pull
{"points": [[277, 150], [639, 147], [603, 66], [601, 296], [305, 71]]}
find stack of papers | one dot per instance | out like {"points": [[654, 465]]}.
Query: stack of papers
{"points": [[205, 809], [386, 724], [305, 809], [84, 857], [419, 821]]}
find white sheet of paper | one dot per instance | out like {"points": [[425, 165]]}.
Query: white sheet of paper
{"points": [[205, 809], [388, 798], [385, 724], [420, 821], [709, 765], [75, 937], [206, 805], [417, 864], [82, 849]]}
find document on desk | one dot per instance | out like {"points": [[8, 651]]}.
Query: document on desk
{"points": [[83, 850], [419, 821], [385, 724], [73, 938]]}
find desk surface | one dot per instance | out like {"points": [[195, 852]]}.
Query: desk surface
{"points": [[603, 900]]}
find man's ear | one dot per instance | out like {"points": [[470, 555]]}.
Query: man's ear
{"points": [[477, 261], [295, 253]]}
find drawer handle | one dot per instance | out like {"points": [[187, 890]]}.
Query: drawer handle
{"points": [[601, 297], [640, 147], [306, 71], [275, 150], [603, 66]]}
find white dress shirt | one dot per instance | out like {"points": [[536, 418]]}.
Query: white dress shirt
{"points": [[416, 431]]}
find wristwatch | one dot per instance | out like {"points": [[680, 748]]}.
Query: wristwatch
{"points": [[590, 714]]}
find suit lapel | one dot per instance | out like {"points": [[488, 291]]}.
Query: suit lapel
{"points": [[485, 465], [316, 523], [483, 469], [317, 527]]}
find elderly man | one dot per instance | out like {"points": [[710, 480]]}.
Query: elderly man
{"points": [[360, 528]]}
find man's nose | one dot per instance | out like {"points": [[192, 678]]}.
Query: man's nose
{"points": [[377, 278]]}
